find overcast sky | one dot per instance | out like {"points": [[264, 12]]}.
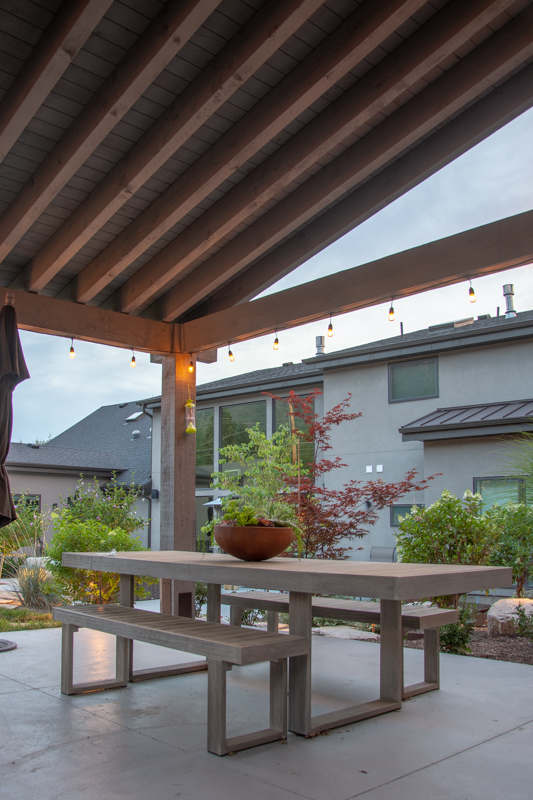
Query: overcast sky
{"points": [[491, 181]]}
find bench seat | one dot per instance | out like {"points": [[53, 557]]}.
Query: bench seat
{"points": [[222, 645], [425, 618]]}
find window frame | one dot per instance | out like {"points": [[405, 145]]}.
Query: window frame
{"points": [[393, 364], [403, 505], [522, 495]]}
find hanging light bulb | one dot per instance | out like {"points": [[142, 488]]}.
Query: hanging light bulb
{"points": [[72, 352], [391, 312], [133, 362], [472, 293], [330, 328], [275, 346], [230, 354], [191, 364]]}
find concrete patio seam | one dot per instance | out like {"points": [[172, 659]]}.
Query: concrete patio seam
{"points": [[439, 761]]}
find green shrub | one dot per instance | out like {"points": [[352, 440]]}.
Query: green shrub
{"points": [[89, 586], [451, 531], [524, 626], [24, 532], [514, 547], [454, 638], [200, 598]]}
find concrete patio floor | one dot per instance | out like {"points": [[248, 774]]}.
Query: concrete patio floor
{"points": [[471, 741]]}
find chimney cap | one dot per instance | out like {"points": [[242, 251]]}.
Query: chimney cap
{"points": [[320, 345]]}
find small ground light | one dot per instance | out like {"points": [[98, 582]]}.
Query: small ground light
{"points": [[133, 362], [391, 312], [230, 354], [72, 352], [472, 293], [275, 346], [330, 328]]}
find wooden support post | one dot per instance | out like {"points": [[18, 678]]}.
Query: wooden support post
{"points": [[235, 615], [300, 619], [124, 652], [272, 621], [178, 472], [391, 657]]}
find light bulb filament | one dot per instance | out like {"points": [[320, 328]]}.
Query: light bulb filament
{"points": [[72, 352]]}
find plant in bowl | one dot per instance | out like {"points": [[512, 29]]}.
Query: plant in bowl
{"points": [[244, 533]]}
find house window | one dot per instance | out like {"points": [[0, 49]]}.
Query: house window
{"points": [[283, 417], [205, 445], [401, 511], [413, 380], [501, 490], [32, 501], [234, 423]]}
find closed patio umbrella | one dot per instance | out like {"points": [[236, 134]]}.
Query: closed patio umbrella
{"points": [[13, 370]]}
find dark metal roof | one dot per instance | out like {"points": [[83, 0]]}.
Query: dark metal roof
{"points": [[29, 455], [107, 430], [481, 419], [429, 342], [286, 377]]}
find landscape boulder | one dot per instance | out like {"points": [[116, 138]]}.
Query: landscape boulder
{"points": [[502, 617]]}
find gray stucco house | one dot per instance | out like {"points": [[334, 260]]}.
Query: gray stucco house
{"points": [[446, 399]]}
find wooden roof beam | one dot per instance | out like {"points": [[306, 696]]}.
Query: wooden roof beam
{"points": [[352, 40], [476, 123], [164, 37], [272, 25], [425, 49], [59, 44], [479, 70], [43, 314], [480, 251]]}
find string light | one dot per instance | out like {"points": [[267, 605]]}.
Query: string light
{"points": [[391, 311], [330, 328], [472, 293], [72, 352], [275, 346], [230, 354], [133, 362], [191, 364]]}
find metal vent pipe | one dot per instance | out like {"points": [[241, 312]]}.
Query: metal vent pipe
{"points": [[508, 293], [320, 345]]}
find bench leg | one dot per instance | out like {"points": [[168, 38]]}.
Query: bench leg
{"points": [[431, 680], [235, 616], [217, 742], [67, 668], [278, 696], [272, 621]]}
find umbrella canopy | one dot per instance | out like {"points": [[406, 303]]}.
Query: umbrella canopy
{"points": [[13, 370]]}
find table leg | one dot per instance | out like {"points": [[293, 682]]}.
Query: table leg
{"points": [[300, 621], [124, 654], [213, 602], [391, 657]]}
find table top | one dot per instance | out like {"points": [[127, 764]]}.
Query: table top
{"points": [[388, 581]]}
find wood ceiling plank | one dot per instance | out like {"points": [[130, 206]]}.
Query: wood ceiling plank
{"points": [[346, 46], [476, 123], [509, 48], [59, 44], [165, 35], [226, 73], [426, 48], [480, 251]]}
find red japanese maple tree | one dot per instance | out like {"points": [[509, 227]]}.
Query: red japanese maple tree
{"points": [[329, 517]]}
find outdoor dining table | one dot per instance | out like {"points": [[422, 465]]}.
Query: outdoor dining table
{"points": [[391, 583]]}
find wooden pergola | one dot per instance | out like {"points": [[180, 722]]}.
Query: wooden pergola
{"points": [[164, 163]]}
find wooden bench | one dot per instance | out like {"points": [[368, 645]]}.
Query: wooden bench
{"points": [[222, 645], [427, 619]]}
